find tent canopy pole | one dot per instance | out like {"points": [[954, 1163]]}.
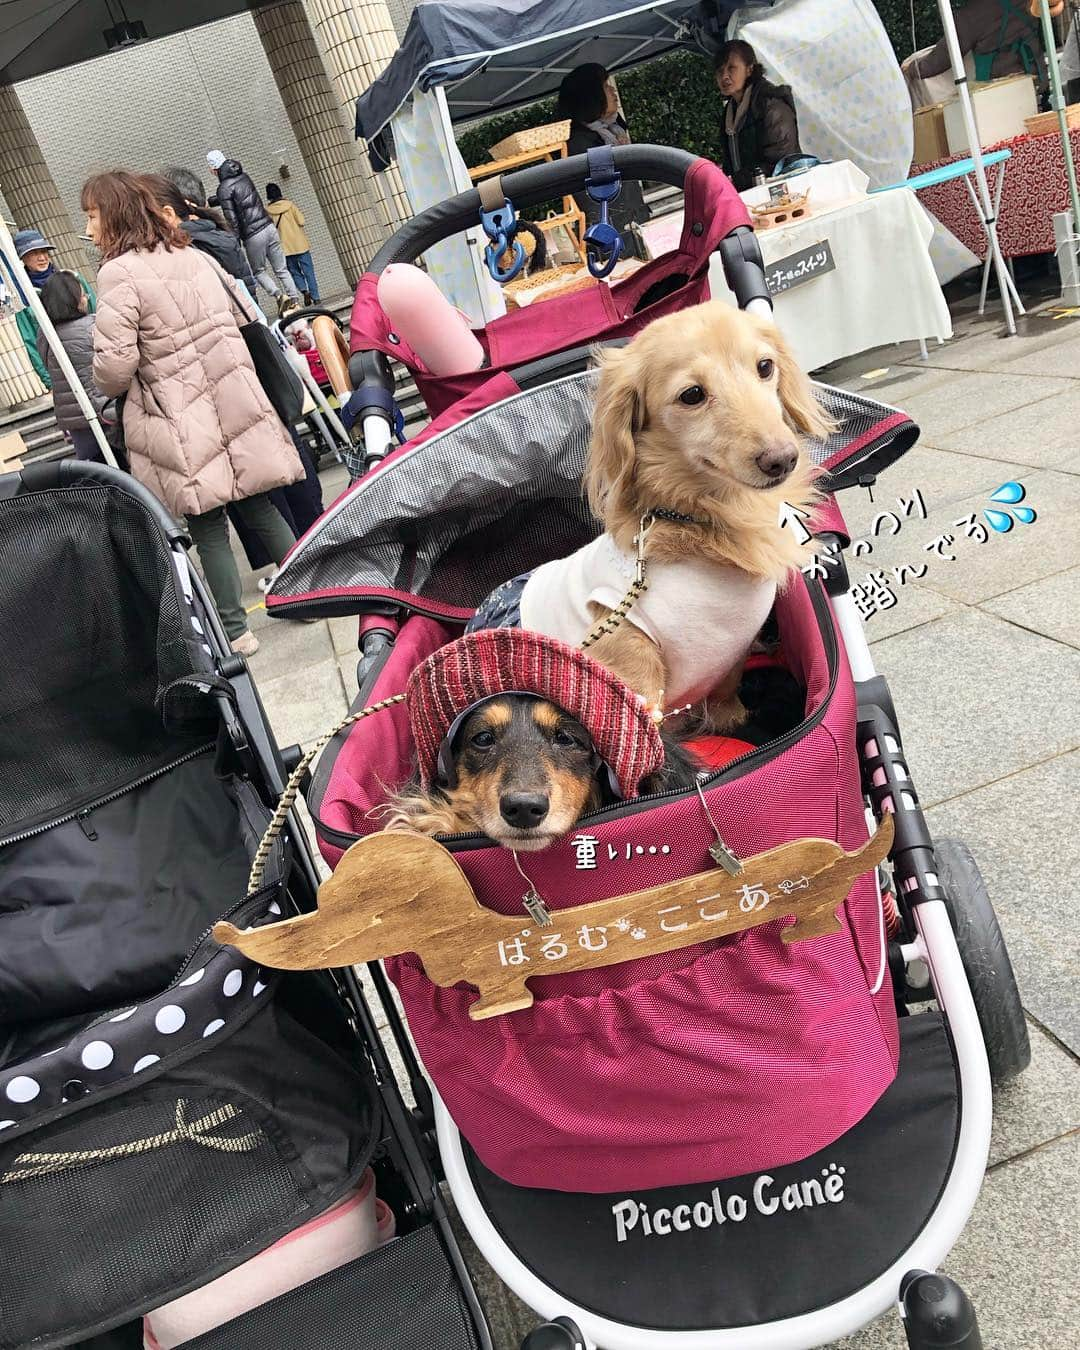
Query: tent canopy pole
{"points": [[986, 208], [1058, 102]]}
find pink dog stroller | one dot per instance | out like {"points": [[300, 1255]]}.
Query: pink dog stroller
{"points": [[737, 1145]]}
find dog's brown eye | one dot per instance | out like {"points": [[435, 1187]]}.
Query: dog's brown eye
{"points": [[692, 396], [765, 367], [566, 739], [483, 740]]}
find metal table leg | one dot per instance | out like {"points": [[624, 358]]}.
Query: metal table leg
{"points": [[988, 261]]}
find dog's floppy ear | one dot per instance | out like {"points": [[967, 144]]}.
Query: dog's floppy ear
{"points": [[801, 408], [618, 415]]}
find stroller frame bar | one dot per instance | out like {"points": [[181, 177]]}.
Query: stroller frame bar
{"points": [[936, 945]]}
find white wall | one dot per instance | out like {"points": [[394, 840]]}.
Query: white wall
{"points": [[169, 102]]}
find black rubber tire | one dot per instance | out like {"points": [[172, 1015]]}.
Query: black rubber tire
{"points": [[985, 960]]}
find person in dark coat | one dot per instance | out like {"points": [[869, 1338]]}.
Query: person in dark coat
{"points": [[587, 96], [759, 126], [66, 305], [204, 228], [248, 218]]}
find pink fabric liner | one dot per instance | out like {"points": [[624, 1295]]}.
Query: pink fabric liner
{"points": [[690, 1066], [712, 210]]}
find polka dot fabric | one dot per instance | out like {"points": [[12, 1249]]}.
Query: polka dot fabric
{"points": [[217, 989]]}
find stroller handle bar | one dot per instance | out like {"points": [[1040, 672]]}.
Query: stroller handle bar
{"points": [[62, 473], [528, 187]]}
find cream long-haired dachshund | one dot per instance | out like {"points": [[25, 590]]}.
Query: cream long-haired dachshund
{"points": [[701, 422]]}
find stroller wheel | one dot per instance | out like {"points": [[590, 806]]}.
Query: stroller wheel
{"points": [[937, 1313], [985, 960], [561, 1334]]}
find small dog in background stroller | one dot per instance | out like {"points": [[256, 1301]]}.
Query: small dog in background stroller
{"points": [[641, 1150]]}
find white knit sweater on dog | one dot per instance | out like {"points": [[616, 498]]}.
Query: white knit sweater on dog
{"points": [[702, 615]]}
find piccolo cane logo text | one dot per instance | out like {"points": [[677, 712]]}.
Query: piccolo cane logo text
{"points": [[634, 1218]]}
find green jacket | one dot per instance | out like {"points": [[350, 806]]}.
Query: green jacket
{"points": [[28, 326]]}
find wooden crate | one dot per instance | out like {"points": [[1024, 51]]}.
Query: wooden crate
{"points": [[532, 138], [12, 451], [1044, 123]]}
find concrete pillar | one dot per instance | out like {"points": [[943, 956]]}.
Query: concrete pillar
{"points": [[358, 40], [354, 212], [28, 187]]}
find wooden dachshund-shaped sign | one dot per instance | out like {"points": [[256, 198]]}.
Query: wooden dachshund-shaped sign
{"points": [[395, 893]]}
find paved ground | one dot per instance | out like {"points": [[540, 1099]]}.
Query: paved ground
{"points": [[983, 655]]}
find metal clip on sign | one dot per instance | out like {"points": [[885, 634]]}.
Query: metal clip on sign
{"points": [[603, 242], [500, 226]]}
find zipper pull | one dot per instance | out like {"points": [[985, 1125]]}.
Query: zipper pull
{"points": [[86, 824], [532, 899]]}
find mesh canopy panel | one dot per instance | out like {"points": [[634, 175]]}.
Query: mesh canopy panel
{"points": [[444, 522], [91, 632]]}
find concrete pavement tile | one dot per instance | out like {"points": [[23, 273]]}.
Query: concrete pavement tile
{"points": [[1041, 1105], [304, 704], [286, 646], [1016, 1259], [1070, 464], [1060, 357], [973, 396], [347, 666], [961, 685], [343, 633], [896, 384], [1041, 434], [942, 477], [1050, 606], [1027, 553], [915, 605], [1022, 832], [1046, 974]]}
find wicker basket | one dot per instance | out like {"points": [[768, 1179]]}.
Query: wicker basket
{"points": [[532, 138], [1044, 123], [549, 284]]}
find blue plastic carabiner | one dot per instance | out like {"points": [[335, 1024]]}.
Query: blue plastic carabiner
{"points": [[603, 242], [500, 226]]}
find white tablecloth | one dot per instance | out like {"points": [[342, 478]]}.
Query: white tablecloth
{"points": [[884, 288]]}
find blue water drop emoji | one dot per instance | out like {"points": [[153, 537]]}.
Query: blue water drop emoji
{"points": [[1024, 514], [1009, 492], [999, 520]]}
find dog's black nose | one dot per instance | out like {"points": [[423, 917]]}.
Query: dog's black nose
{"points": [[523, 810], [777, 461]]}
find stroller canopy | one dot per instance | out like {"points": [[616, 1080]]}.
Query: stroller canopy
{"points": [[493, 55]]}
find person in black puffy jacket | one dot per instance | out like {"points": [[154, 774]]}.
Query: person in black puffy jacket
{"points": [[247, 216]]}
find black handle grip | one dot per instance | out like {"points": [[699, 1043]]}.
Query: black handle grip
{"points": [[60, 473], [528, 187]]}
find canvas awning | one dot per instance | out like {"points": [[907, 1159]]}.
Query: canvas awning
{"points": [[493, 55]]}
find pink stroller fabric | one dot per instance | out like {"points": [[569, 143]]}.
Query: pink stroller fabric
{"points": [[695, 1065], [712, 210]]}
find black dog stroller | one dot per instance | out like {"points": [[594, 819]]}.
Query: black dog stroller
{"points": [[167, 1110], [801, 1246]]}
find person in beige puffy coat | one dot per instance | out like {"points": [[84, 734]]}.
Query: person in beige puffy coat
{"points": [[200, 431]]}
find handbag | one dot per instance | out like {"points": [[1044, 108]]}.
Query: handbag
{"points": [[280, 382]]}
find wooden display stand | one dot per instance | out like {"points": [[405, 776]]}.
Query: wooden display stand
{"points": [[397, 892], [571, 215]]}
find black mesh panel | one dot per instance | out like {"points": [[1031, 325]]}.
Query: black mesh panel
{"points": [[91, 631], [189, 1176], [402, 1297]]}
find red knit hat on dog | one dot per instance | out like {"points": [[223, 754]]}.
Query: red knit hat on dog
{"points": [[495, 661]]}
